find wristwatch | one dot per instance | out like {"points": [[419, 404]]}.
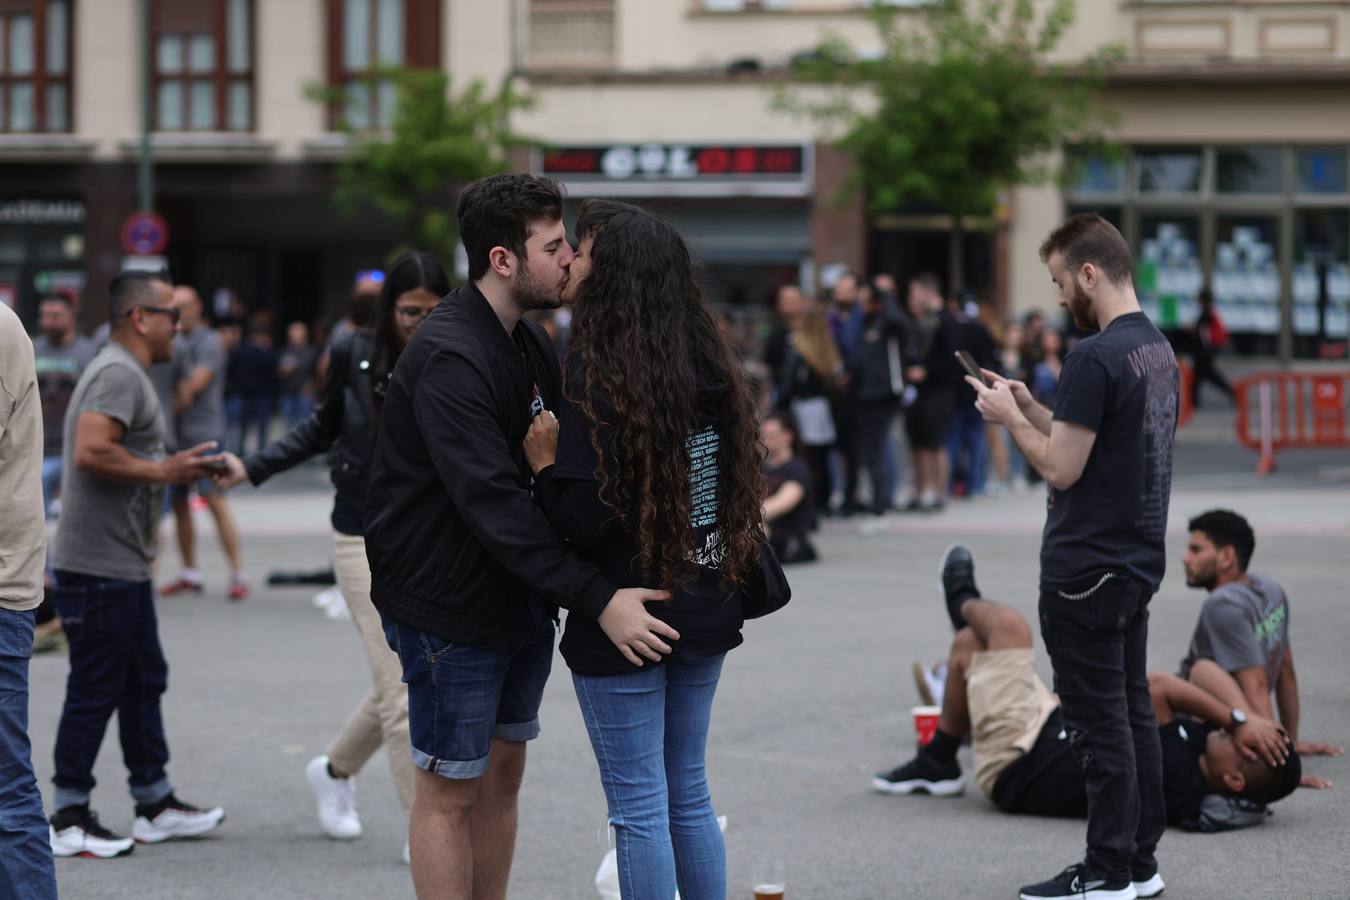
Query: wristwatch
{"points": [[1236, 719]]}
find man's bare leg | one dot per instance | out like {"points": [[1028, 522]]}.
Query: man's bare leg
{"points": [[493, 820], [989, 626], [187, 538], [440, 836], [228, 531]]}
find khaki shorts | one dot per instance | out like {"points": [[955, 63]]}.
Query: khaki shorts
{"points": [[1008, 707]]}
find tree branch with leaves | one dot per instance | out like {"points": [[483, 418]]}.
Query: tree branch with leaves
{"points": [[436, 140], [959, 103]]}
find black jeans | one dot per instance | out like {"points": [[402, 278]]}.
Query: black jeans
{"points": [[874, 430], [116, 664], [1097, 634]]}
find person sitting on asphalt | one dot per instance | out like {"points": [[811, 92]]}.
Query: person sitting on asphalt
{"points": [[1244, 624], [788, 512], [1023, 761]]}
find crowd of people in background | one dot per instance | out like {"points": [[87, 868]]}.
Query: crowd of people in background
{"points": [[865, 379]]}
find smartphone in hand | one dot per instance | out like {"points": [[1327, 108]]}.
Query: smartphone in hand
{"points": [[972, 368]]}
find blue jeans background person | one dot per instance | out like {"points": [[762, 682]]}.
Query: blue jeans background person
{"points": [[649, 731], [25, 852]]}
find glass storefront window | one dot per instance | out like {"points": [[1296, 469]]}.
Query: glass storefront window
{"points": [[1169, 170], [1249, 171], [1168, 275], [1321, 282], [1097, 175], [1246, 279], [1324, 171]]}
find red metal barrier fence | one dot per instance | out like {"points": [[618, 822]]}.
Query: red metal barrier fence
{"points": [[1290, 410]]}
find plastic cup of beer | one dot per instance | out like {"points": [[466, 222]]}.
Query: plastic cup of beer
{"points": [[925, 722], [770, 879]]}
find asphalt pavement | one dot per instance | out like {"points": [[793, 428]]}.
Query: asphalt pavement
{"points": [[816, 700]]}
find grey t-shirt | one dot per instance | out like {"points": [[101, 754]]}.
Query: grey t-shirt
{"points": [[165, 377], [204, 420], [107, 528], [1243, 624], [58, 368]]}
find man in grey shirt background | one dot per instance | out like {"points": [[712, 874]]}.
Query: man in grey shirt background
{"points": [[116, 468], [199, 405], [60, 355], [1244, 624]]}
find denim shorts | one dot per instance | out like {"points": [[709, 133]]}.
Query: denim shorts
{"points": [[461, 697]]}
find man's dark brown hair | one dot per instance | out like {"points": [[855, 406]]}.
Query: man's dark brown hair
{"points": [[1088, 238]]}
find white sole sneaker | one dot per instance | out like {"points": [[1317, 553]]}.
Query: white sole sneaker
{"points": [[949, 788], [75, 841], [1125, 893], [335, 801], [176, 823], [1151, 888]]}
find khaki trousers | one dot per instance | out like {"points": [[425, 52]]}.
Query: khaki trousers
{"points": [[382, 715]]}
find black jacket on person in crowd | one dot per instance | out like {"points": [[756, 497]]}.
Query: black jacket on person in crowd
{"points": [[878, 368], [456, 544], [344, 414]]}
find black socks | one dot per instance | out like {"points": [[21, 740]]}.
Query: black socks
{"points": [[942, 747]]}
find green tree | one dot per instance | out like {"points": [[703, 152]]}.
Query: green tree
{"points": [[959, 103], [436, 141]]}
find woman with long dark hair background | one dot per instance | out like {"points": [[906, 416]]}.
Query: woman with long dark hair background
{"points": [[652, 471], [360, 362]]}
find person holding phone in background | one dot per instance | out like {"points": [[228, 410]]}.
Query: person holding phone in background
{"points": [[116, 469]]}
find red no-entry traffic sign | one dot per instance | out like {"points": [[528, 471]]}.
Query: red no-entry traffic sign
{"points": [[145, 234]]}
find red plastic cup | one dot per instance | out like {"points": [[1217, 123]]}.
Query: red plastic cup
{"points": [[925, 722]]}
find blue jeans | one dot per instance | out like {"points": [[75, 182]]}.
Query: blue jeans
{"points": [[649, 731], [51, 482], [25, 853], [295, 408], [965, 432], [461, 697], [116, 664]]}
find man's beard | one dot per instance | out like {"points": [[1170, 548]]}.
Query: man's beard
{"points": [[1080, 308], [529, 294], [1206, 580]]}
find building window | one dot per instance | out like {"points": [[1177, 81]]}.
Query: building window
{"points": [[1323, 171], [366, 36], [1221, 217], [1171, 170], [35, 66], [571, 34], [203, 65], [1249, 171]]}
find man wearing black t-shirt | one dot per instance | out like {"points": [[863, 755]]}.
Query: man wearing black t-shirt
{"points": [[1023, 758], [1106, 455]]}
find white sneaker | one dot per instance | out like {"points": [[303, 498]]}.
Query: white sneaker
{"points": [[323, 598], [75, 831], [931, 683], [1151, 888], [336, 799], [173, 818]]}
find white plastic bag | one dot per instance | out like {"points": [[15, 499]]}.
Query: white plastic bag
{"points": [[607, 876]]}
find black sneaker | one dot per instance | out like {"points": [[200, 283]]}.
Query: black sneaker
{"points": [[957, 574], [75, 831], [1078, 882], [172, 818], [922, 775]]}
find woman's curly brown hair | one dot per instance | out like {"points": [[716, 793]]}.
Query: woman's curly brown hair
{"points": [[644, 339]]}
